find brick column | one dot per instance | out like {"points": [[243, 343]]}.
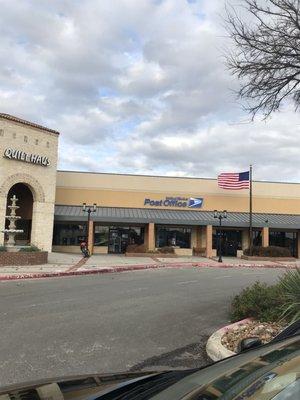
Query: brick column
{"points": [[245, 239], [209, 250], [194, 237], [91, 236], [2, 218], [150, 237], [265, 236]]}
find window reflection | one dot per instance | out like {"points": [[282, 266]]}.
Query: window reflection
{"points": [[284, 239], [101, 235], [275, 376], [118, 238], [69, 234], [173, 236]]}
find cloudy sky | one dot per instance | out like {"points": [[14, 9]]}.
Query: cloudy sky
{"points": [[137, 86]]}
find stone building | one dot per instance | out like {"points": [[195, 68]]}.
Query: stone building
{"points": [[28, 168]]}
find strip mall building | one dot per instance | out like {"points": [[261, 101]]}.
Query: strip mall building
{"points": [[132, 209]]}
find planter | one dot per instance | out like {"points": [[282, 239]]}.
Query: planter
{"points": [[23, 258], [224, 342], [214, 347], [257, 258]]}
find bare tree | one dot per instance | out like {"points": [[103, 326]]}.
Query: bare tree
{"points": [[266, 55]]}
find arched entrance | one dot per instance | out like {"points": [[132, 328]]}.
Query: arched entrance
{"points": [[25, 202]]}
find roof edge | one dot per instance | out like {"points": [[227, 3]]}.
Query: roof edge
{"points": [[177, 210], [165, 176], [25, 122]]}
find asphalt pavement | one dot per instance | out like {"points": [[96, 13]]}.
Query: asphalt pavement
{"points": [[147, 319]]}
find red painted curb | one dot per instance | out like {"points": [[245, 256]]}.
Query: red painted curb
{"points": [[135, 268], [74, 273]]}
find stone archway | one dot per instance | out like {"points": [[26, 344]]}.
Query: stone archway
{"points": [[38, 201], [25, 211], [32, 183]]}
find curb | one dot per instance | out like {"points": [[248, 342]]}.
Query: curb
{"points": [[214, 348], [113, 269], [86, 272]]}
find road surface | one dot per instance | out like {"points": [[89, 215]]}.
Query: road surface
{"points": [[114, 322]]}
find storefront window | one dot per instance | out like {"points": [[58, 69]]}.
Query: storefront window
{"points": [[101, 235], [173, 236], [120, 237], [69, 234], [231, 241], [284, 239]]}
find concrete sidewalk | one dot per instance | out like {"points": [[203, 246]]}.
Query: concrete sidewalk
{"points": [[62, 264]]}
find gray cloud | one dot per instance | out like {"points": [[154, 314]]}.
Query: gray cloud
{"points": [[136, 86], [223, 147]]}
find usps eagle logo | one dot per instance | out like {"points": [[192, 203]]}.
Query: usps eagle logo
{"points": [[195, 202]]}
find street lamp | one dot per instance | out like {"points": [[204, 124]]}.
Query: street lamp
{"points": [[220, 215], [88, 210]]}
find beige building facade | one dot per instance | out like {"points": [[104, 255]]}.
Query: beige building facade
{"points": [[133, 210], [28, 166]]}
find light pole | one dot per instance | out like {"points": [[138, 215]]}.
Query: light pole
{"points": [[88, 210], [220, 215]]}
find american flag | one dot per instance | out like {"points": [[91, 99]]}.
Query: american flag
{"points": [[234, 180]]}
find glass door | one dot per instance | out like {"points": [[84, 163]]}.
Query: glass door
{"points": [[114, 241], [122, 236], [231, 242]]}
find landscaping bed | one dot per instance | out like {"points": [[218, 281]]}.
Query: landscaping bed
{"points": [[259, 310], [266, 331], [136, 250], [272, 253], [258, 258]]}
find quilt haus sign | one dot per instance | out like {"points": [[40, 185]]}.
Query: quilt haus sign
{"points": [[20, 155]]}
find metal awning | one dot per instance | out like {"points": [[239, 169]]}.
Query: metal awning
{"points": [[175, 217]]}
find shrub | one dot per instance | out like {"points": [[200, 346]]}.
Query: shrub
{"points": [[166, 250], [29, 249], [3, 248], [289, 283], [269, 251], [258, 301]]}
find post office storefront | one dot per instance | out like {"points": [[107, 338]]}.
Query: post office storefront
{"points": [[130, 210], [112, 230]]}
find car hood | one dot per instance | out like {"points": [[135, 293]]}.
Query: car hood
{"points": [[234, 375], [77, 387]]}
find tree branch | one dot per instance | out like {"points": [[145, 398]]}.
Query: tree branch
{"points": [[267, 53]]}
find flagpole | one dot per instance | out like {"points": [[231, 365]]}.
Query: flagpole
{"points": [[250, 213]]}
